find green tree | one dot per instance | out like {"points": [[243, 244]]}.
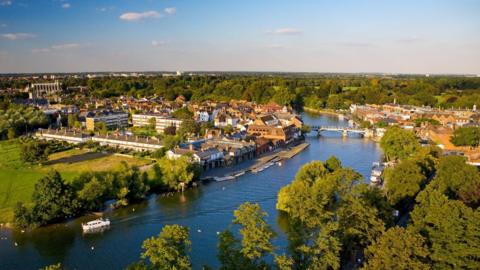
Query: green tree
{"points": [[169, 249], [403, 181], [256, 233], [53, 200], [11, 134], [91, 195], [188, 127], [176, 173], [256, 242], [397, 248], [34, 151], [451, 230], [466, 136], [398, 143], [458, 180], [183, 114]]}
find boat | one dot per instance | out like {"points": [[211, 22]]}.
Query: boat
{"points": [[376, 174], [224, 178], [239, 174], [95, 225]]}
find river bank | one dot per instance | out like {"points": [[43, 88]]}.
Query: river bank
{"points": [[323, 111], [257, 165], [206, 210]]}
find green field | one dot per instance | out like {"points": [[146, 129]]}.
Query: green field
{"points": [[17, 180]]}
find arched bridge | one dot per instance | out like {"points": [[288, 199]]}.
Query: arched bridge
{"points": [[343, 130]]}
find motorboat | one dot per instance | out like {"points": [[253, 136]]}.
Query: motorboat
{"points": [[95, 225]]}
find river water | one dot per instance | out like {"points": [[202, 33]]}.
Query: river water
{"points": [[206, 210]]}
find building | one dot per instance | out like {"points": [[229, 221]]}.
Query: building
{"points": [[42, 90], [275, 133], [112, 120], [70, 136], [128, 142], [161, 122]]}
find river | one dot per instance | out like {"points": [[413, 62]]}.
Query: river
{"points": [[206, 210]]}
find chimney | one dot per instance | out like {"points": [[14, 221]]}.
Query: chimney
{"points": [[190, 146]]}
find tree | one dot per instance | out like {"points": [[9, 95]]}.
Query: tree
{"points": [[53, 200], [169, 249], [398, 143], [325, 252], [451, 230], [256, 233], [183, 114], [466, 136], [34, 151], [458, 180], [169, 141], [176, 173], [101, 128], [11, 133], [403, 181], [188, 126], [250, 252], [92, 194], [229, 253], [170, 130], [397, 248]]}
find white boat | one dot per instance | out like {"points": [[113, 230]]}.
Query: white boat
{"points": [[239, 174], [224, 178], [95, 224]]}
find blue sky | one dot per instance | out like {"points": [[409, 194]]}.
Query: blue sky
{"points": [[436, 36]]}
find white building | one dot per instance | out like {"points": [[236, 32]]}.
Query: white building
{"points": [[40, 90], [111, 120], [161, 122]]}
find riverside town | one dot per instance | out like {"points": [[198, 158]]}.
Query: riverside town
{"points": [[290, 136]]}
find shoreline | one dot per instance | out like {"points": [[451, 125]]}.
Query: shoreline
{"points": [[323, 111]]}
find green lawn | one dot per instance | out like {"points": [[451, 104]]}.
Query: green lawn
{"points": [[17, 180]]}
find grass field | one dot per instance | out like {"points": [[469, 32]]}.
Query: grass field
{"points": [[17, 180]]}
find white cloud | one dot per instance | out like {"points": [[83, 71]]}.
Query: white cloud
{"points": [[66, 5], [58, 47], [6, 3], [170, 10], [134, 16], [285, 31], [156, 43], [18, 36]]}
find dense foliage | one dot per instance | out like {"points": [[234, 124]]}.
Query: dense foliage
{"points": [[466, 136], [55, 200], [16, 120]]}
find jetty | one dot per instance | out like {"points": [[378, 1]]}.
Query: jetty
{"points": [[263, 162]]}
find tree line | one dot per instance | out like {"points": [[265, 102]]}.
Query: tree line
{"points": [[55, 200]]}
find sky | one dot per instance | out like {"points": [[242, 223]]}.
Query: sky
{"points": [[407, 36]]}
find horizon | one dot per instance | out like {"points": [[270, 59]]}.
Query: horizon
{"points": [[351, 37]]}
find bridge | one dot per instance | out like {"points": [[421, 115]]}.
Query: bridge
{"points": [[344, 130]]}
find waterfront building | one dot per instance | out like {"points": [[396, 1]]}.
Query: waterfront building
{"points": [[111, 120]]}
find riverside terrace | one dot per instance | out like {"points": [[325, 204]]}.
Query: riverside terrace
{"points": [[121, 141]]}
